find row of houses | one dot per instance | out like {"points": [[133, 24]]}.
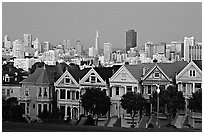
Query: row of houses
{"points": [[42, 90]]}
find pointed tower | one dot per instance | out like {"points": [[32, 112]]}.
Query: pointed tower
{"points": [[97, 44]]}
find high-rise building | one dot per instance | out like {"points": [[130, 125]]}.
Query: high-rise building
{"points": [[46, 46], [7, 42], [152, 49], [66, 44], [97, 44], [91, 52], [79, 48], [36, 44], [195, 52], [107, 51], [131, 39], [27, 39], [188, 41], [18, 49]]}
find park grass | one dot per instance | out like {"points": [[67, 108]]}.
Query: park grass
{"points": [[47, 127]]}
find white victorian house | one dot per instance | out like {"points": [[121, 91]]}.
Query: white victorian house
{"points": [[189, 80], [68, 94]]}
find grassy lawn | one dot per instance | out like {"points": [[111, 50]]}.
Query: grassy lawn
{"points": [[46, 127]]}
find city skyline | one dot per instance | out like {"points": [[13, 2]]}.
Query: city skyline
{"points": [[81, 21]]}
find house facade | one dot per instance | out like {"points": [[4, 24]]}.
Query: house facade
{"points": [[189, 80], [67, 89], [37, 93]]}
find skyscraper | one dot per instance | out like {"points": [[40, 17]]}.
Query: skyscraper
{"points": [[131, 39], [97, 44], [188, 41], [107, 51], [79, 48], [27, 39], [7, 42]]}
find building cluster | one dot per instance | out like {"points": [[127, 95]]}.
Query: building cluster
{"points": [[56, 83], [60, 86]]}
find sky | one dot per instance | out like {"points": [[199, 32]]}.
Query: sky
{"points": [[56, 21]]}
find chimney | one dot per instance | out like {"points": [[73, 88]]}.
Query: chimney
{"points": [[143, 71]]}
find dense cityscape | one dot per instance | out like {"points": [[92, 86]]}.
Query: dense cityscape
{"points": [[155, 86]]}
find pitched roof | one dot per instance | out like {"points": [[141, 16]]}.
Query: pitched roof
{"points": [[137, 70], [40, 76], [171, 69], [106, 72], [79, 74], [198, 63]]}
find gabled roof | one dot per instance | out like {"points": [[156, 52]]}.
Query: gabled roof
{"points": [[40, 76], [198, 63], [106, 72], [137, 70], [171, 69], [79, 74]]}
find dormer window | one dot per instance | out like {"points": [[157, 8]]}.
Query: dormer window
{"points": [[26, 91], [156, 75], [7, 78], [192, 73], [67, 80], [93, 78], [123, 76]]}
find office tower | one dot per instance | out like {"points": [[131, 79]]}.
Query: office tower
{"points": [[79, 48], [149, 49], [97, 44], [27, 39], [177, 48], [7, 42], [46, 46], [66, 44], [18, 49], [195, 52], [107, 51], [152, 49], [36, 44], [91, 51], [131, 39], [188, 41]]}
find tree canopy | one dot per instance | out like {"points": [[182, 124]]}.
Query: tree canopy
{"points": [[95, 101], [170, 101], [132, 102], [195, 102]]}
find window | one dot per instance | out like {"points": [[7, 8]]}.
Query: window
{"points": [[39, 109], [123, 76], [7, 78], [192, 73], [68, 94], [73, 95], [197, 85], [93, 79], [149, 89], [77, 95], [3, 91], [156, 75], [50, 108], [62, 93], [33, 106], [129, 88], [40, 92], [8, 92], [11, 90], [27, 109], [45, 107], [45, 92], [26, 91], [50, 91], [117, 91], [184, 87], [67, 80]]}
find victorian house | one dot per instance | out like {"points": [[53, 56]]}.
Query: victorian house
{"points": [[189, 80], [68, 93], [37, 93]]}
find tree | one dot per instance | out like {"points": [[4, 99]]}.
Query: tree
{"points": [[170, 101], [132, 102], [195, 102], [95, 101]]}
